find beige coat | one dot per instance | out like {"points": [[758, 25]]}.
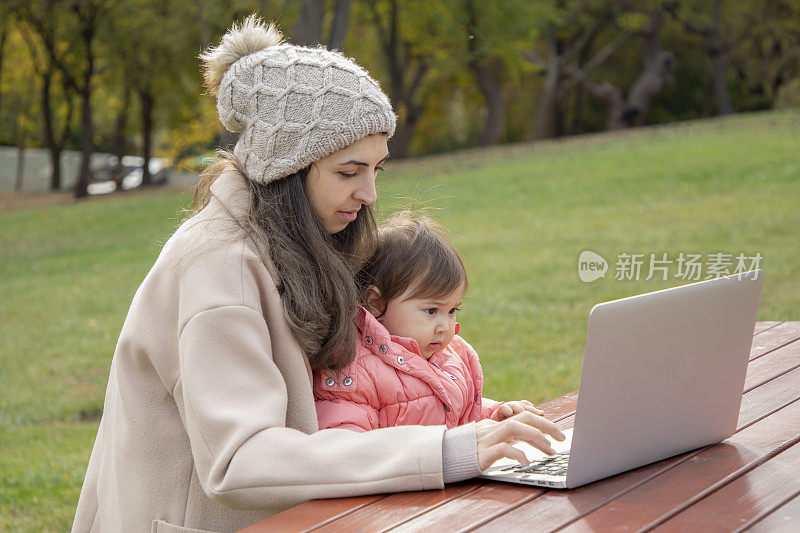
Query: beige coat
{"points": [[209, 418]]}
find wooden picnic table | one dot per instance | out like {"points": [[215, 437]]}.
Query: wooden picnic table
{"points": [[749, 481]]}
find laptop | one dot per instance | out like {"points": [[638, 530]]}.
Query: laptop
{"points": [[663, 373]]}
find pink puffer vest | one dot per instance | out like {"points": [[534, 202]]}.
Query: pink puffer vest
{"points": [[390, 384]]}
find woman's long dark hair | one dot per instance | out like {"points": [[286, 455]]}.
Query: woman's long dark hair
{"points": [[315, 270]]}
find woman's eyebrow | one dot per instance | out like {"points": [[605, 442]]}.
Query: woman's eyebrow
{"points": [[361, 163]]}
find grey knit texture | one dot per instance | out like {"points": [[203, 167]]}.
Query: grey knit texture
{"points": [[460, 453], [295, 105]]}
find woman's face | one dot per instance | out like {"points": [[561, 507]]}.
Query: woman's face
{"points": [[339, 184]]}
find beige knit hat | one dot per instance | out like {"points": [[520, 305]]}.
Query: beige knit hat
{"points": [[293, 105]]}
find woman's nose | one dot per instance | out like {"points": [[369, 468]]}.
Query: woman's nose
{"points": [[366, 191]]}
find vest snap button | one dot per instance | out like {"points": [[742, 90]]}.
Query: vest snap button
{"points": [[329, 382], [348, 381], [447, 408], [400, 359], [382, 348], [368, 340]]}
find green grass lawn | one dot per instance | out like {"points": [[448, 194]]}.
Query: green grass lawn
{"points": [[520, 215]]}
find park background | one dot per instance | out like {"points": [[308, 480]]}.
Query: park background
{"points": [[534, 130]]}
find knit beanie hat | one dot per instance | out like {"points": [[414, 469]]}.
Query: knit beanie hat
{"points": [[292, 105]]}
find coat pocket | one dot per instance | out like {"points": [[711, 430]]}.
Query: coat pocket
{"points": [[159, 526]]}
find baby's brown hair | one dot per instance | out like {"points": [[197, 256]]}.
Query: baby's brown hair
{"points": [[412, 254]]}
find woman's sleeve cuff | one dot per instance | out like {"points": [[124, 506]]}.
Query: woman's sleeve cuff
{"points": [[460, 453]]}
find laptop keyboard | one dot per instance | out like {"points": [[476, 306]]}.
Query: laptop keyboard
{"points": [[553, 466]]}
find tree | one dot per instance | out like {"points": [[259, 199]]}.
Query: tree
{"points": [[308, 29], [765, 49], [52, 107], [19, 93], [76, 63], [562, 76], [569, 31], [715, 48], [415, 41], [146, 39], [496, 33]]}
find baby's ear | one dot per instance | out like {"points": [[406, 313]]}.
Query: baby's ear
{"points": [[374, 302]]}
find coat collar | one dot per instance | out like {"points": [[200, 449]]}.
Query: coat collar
{"points": [[369, 326], [232, 191]]}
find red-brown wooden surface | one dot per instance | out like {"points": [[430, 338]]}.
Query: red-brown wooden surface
{"points": [[749, 481]]}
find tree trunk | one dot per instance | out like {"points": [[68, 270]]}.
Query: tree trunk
{"points": [[49, 134], [658, 67], [308, 28], [495, 124], [87, 135], [89, 22], [402, 93], [577, 105], [715, 50], [404, 136], [119, 135], [486, 74], [147, 132], [718, 64], [3, 35], [22, 140], [547, 101], [341, 15], [82, 187], [202, 25]]}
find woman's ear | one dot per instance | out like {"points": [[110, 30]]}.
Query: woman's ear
{"points": [[374, 302]]}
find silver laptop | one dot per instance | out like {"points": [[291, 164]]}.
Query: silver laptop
{"points": [[663, 373]]}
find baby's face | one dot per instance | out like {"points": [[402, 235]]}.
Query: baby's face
{"points": [[429, 321]]}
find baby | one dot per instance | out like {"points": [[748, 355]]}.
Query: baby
{"points": [[411, 367]]}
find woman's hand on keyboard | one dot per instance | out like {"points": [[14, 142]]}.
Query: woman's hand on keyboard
{"points": [[495, 438], [509, 409]]}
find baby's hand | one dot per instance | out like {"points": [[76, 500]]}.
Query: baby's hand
{"points": [[509, 409]]}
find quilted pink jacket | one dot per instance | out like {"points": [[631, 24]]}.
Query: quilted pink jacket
{"points": [[390, 384]]}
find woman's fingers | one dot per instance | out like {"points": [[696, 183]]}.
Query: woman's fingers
{"points": [[513, 430], [540, 423], [498, 451], [526, 418], [497, 437]]}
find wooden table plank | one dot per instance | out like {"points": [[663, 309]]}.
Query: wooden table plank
{"points": [[452, 516], [754, 494], [554, 508], [779, 362], [303, 517], [784, 519], [702, 474], [769, 397], [774, 338], [763, 326], [489, 499], [560, 407], [397, 508]]}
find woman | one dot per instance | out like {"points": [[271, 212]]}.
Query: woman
{"points": [[209, 420]]}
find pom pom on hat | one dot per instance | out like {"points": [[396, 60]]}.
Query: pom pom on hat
{"points": [[252, 36]]}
